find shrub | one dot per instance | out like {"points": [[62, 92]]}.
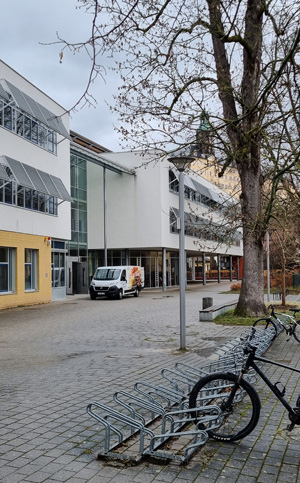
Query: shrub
{"points": [[236, 287]]}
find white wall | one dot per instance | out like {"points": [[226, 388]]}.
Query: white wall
{"points": [[14, 146], [133, 205], [138, 207]]}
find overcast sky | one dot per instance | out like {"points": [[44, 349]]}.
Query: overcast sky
{"points": [[25, 25]]}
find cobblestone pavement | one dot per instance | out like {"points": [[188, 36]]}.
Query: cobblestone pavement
{"points": [[56, 359]]}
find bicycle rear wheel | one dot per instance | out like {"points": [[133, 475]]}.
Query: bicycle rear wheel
{"points": [[239, 403], [266, 324], [296, 330]]}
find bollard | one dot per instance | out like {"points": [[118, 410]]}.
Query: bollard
{"points": [[207, 302]]}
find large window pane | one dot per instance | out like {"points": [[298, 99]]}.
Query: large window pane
{"points": [[7, 269], [35, 204], [3, 277], [20, 123], [8, 118], [82, 179], [20, 196], [30, 269], [8, 193], [27, 277], [27, 127], [42, 202], [42, 132], [28, 198], [34, 132]]}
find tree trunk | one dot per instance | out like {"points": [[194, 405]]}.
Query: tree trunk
{"points": [[251, 300]]}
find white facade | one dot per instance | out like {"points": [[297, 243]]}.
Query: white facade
{"points": [[138, 207]]}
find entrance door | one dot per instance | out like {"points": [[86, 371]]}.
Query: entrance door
{"points": [[58, 275], [79, 277]]}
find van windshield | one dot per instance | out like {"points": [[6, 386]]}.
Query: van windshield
{"points": [[107, 274]]}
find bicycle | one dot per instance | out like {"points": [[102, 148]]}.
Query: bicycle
{"points": [[238, 400], [278, 322]]}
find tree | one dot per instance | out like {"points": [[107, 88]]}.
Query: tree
{"points": [[240, 61], [284, 230]]}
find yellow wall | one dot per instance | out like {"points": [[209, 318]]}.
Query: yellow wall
{"points": [[43, 293], [229, 182]]}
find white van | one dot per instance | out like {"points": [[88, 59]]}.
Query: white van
{"points": [[117, 281]]}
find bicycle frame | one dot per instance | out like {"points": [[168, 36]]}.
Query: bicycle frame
{"points": [[288, 323], [250, 362]]}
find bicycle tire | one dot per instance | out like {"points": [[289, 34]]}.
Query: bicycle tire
{"points": [[296, 331], [265, 324], [236, 421]]}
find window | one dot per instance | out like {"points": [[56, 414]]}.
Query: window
{"points": [[20, 196], [79, 206], [7, 269], [30, 269], [173, 182], [26, 126], [20, 124], [14, 194], [8, 118]]}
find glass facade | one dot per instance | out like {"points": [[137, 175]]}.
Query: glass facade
{"points": [[77, 247], [152, 261]]}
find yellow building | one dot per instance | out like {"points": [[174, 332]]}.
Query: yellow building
{"points": [[210, 169]]}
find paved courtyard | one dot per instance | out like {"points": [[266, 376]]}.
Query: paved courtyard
{"points": [[56, 359]]}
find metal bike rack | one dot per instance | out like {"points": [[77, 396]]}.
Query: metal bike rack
{"points": [[142, 441], [143, 421]]}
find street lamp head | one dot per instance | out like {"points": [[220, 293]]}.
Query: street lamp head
{"points": [[181, 161]]}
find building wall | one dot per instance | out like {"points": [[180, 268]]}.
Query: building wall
{"points": [[20, 242], [22, 228], [229, 182], [133, 205], [16, 147], [138, 207]]}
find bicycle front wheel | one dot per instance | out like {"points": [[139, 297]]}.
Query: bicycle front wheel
{"points": [[266, 324], [239, 403], [296, 330]]}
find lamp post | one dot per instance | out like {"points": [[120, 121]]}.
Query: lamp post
{"points": [[181, 162]]}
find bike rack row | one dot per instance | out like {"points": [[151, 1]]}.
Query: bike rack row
{"points": [[155, 420]]}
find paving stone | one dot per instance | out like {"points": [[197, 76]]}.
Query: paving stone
{"points": [[83, 351]]}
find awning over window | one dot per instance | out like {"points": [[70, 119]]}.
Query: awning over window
{"points": [[29, 177], [33, 108], [195, 220], [3, 93], [203, 190]]}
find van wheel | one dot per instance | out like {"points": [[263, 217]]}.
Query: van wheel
{"points": [[120, 295], [137, 292], [93, 296]]}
